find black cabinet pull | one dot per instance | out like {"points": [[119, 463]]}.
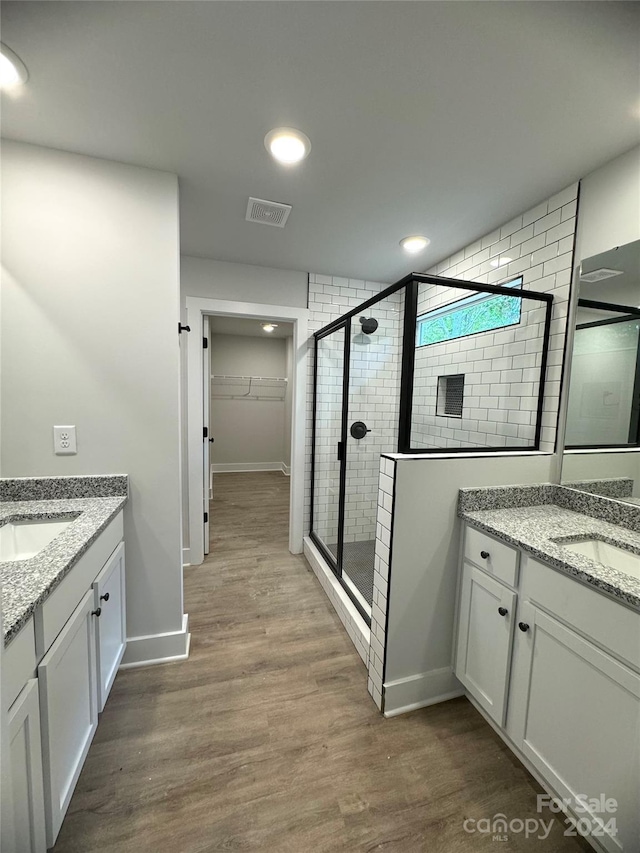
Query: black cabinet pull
{"points": [[97, 611], [485, 555], [104, 597], [502, 611], [523, 626]]}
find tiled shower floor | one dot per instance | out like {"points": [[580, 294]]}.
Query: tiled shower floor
{"points": [[357, 562]]}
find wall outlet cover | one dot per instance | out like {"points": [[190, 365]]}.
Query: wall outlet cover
{"points": [[64, 440]]}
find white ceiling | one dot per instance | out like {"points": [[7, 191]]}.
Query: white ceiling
{"points": [[248, 328], [442, 118]]}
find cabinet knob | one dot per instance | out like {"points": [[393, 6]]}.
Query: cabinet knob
{"points": [[104, 597], [523, 626], [502, 611], [485, 555], [97, 611]]}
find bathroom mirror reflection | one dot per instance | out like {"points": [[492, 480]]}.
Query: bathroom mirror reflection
{"points": [[602, 436]]}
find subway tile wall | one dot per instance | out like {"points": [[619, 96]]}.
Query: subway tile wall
{"points": [[540, 246], [374, 399], [501, 372], [381, 580]]}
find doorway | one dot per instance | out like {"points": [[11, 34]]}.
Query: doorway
{"points": [[243, 389], [248, 366]]}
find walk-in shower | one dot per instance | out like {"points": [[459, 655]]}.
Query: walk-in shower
{"points": [[430, 365]]}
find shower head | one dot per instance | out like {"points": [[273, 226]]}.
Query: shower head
{"points": [[369, 325]]}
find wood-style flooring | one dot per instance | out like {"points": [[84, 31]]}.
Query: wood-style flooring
{"points": [[266, 738]]}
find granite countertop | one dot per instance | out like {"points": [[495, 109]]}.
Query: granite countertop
{"points": [[27, 583], [535, 529]]}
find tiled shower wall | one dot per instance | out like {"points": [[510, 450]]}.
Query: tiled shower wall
{"points": [[374, 399], [540, 245], [501, 380]]}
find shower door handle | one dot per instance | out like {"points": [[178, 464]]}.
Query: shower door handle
{"points": [[359, 429], [340, 451]]}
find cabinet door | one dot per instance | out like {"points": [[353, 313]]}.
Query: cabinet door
{"points": [[575, 714], [68, 710], [111, 629], [485, 631], [26, 771]]}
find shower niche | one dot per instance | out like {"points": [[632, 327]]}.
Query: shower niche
{"points": [[430, 365]]}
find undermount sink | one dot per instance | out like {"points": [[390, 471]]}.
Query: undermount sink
{"points": [[607, 554], [21, 540]]}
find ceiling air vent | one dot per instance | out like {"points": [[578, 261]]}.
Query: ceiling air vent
{"points": [[268, 212], [599, 275]]}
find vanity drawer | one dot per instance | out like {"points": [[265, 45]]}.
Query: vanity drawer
{"points": [[501, 560], [52, 616], [18, 663], [603, 620]]}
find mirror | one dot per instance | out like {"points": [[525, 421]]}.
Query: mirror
{"points": [[602, 435]]}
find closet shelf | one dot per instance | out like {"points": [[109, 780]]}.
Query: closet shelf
{"points": [[229, 387]]}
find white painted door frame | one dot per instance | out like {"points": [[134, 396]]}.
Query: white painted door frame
{"points": [[197, 308]]}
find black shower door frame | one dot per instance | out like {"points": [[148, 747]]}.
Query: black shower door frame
{"points": [[335, 562], [409, 284]]}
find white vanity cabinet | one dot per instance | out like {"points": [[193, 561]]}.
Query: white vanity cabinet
{"points": [[111, 626], [487, 610], [25, 758], [69, 702], [73, 644], [563, 691]]}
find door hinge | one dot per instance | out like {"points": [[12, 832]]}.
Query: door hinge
{"points": [[205, 432], [205, 343], [182, 328], [340, 451], [206, 517]]}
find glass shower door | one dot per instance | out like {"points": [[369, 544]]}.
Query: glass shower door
{"points": [[326, 505], [372, 429]]}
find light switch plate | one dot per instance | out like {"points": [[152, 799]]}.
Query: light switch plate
{"points": [[64, 440]]}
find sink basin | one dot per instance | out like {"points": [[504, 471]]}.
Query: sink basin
{"points": [[609, 555], [21, 540]]}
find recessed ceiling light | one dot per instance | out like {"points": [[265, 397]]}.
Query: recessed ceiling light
{"points": [[501, 261], [287, 145], [269, 327], [13, 71], [415, 244]]}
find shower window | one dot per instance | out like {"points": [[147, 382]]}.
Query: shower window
{"points": [[469, 316]]}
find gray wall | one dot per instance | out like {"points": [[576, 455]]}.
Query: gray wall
{"points": [[424, 568], [236, 282], [248, 432], [242, 282], [90, 301]]}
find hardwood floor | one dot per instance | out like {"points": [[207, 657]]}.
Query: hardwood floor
{"points": [[266, 738]]}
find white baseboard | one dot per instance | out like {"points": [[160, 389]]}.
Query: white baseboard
{"points": [[356, 627], [158, 648], [240, 467], [186, 557], [421, 690]]}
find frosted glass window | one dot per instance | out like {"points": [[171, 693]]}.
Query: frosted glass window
{"points": [[478, 313]]}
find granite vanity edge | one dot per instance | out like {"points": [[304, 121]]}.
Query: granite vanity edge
{"points": [[518, 496], [14, 624], [64, 488], [582, 574]]}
